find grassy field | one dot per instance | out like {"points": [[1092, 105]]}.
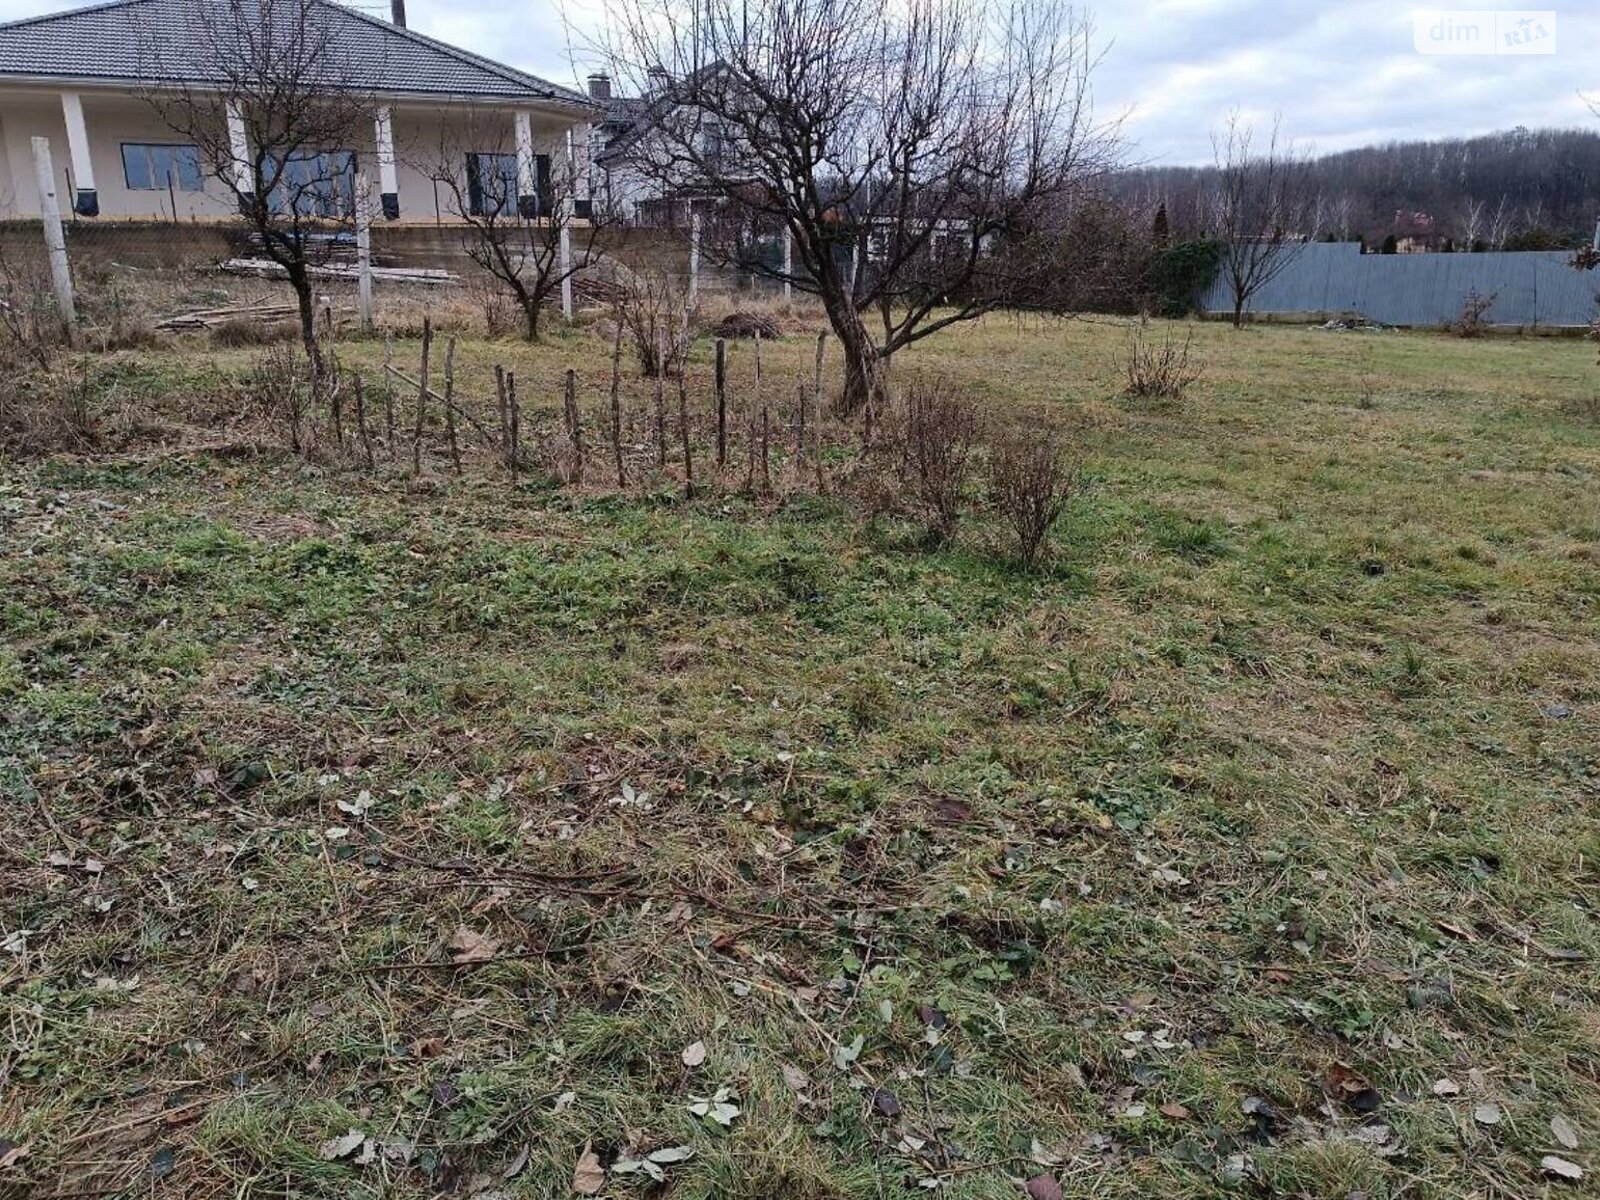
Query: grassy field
{"points": [[481, 838]]}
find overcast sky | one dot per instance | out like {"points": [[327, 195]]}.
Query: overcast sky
{"points": [[1342, 74]]}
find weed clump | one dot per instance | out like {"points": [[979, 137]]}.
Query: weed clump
{"points": [[1159, 370], [1031, 482], [941, 435]]}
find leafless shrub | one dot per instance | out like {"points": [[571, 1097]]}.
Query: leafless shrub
{"points": [[1159, 370], [941, 432], [248, 331], [1473, 321], [1582, 408], [278, 387], [1031, 481], [28, 317], [47, 411], [653, 309], [498, 319]]}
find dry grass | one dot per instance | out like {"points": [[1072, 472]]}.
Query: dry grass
{"points": [[1272, 798]]}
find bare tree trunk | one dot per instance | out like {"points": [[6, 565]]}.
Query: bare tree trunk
{"points": [[300, 281]]}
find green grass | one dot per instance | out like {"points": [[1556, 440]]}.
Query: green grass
{"points": [[1288, 760]]}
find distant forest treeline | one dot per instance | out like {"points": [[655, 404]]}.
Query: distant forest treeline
{"points": [[1521, 189]]}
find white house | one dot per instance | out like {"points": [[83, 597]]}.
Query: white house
{"points": [[84, 78]]}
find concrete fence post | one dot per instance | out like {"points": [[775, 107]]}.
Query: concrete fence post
{"points": [[694, 258], [364, 251], [55, 238], [788, 267]]}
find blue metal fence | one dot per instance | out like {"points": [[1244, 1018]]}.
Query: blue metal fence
{"points": [[1532, 289]]}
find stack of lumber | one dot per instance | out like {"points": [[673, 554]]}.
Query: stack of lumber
{"points": [[266, 267], [210, 318]]}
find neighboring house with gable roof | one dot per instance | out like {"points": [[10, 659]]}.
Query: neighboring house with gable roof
{"points": [[81, 79]]}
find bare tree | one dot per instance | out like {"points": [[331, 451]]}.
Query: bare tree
{"points": [[274, 106], [1263, 208], [520, 246], [897, 147]]}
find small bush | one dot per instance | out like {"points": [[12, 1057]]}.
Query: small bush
{"points": [[44, 412], [1031, 481], [278, 387], [1161, 370], [940, 435], [237, 332], [748, 325], [1473, 321], [1581, 408]]}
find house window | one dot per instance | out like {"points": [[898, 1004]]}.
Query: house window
{"points": [[150, 167], [316, 183], [491, 185]]}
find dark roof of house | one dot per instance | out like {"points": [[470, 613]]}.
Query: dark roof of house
{"points": [[174, 41], [629, 125]]}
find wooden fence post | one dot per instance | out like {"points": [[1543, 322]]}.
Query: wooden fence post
{"points": [[450, 403], [388, 393], [722, 402], [422, 397], [569, 406], [616, 404]]}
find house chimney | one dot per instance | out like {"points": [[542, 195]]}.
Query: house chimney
{"points": [[397, 12], [658, 80], [599, 86]]}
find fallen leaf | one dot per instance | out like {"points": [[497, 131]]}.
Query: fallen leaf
{"points": [[11, 1155], [1175, 1112], [163, 1162], [588, 1177], [796, 1079], [1561, 1129], [341, 1147], [1043, 1187], [1551, 1164], [671, 1154], [694, 1054], [1353, 1089], [844, 1056], [468, 947], [516, 1166], [886, 1102], [1487, 1114], [1446, 1087]]}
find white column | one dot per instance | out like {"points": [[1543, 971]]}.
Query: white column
{"points": [[87, 202], [388, 180], [527, 166], [55, 240], [244, 176], [788, 266]]}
